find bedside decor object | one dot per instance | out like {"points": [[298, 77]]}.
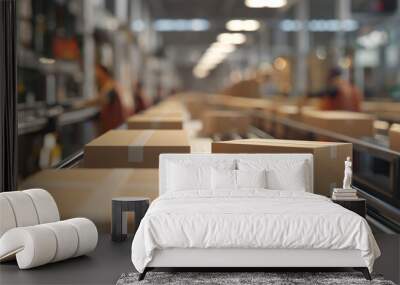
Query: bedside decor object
{"points": [[346, 193], [348, 173], [120, 207], [31, 231]]}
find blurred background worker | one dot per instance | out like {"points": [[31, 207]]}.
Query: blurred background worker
{"points": [[340, 93], [138, 97], [108, 99]]}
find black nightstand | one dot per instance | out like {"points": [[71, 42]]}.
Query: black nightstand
{"points": [[120, 207], [358, 205]]}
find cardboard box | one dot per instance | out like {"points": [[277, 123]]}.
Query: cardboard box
{"points": [[377, 107], [384, 110], [195, 105], [163, 113], [88, 192], [394, 137], [329, 157], [170, 104], [352, 124], [243, 104], [244, 88], [223, 122], [133, 148], [173, 110], [381, 127], [160, 122]]}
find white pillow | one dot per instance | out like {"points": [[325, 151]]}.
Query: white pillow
{"points": [[223, 179], [295, 180], [227, 179], [183, 178], [290, 175], [189, 175], [251, 178]]}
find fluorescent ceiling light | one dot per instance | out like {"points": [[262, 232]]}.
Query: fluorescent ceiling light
{"points": [[212, 61], [205, 62], [320, 25], [213, 56], [234, 25], [265, 3], [251, 25], [181, 25], [242, 25], [201, 67], [231, 38], [221, 48], [200, 73]]}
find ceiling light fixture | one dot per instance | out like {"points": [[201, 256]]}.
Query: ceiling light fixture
{"points": [[232, 38], [199, 73], [214, 55], [251, 25], [242, 25], [265, 3], [319, 25], [221, 48], [181, 25], [234, 25]]}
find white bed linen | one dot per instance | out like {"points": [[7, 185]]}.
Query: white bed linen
{"points": [[250, 219]]}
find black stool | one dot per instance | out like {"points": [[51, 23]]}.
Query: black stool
{"points": [[120, 207]]}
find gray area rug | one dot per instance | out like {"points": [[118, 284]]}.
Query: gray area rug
{"points": [[228, 278]]}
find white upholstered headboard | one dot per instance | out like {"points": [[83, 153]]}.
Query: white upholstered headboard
{"points": [[171, 157]]}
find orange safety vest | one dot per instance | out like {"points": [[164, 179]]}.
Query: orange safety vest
{"points": [[348, 98], [112, 114]]}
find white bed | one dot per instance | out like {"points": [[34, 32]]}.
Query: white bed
{"points": [[201, 220]]}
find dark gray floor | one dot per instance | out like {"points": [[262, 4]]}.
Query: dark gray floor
{"points": [[389, 262], [103, 266], [110, 260]]}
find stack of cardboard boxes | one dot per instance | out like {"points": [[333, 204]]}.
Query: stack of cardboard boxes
{"points": [[225, 122], [244, 88], [389, 111], [133, 148], [351, 124], [328, 156]]}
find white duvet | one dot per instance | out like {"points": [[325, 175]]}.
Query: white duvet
{"points": [[250, 219]]}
